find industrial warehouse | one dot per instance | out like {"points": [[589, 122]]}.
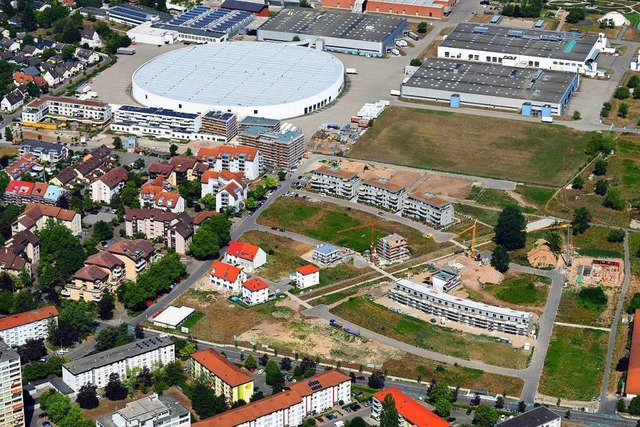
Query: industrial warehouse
{"points": [[358, 34], [421, 8], [271, 80], [529, 91], [516, 47]]}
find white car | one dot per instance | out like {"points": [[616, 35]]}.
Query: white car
{"points": [[261, 371]]}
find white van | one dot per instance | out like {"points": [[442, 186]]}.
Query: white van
{"points": [[351, 71], [396, 52]]}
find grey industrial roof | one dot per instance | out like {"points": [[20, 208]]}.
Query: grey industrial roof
{"points": [[518, 41], [491, 80], [533, 418], [240, 74], [146, 409], [342, 25], [116, 354]]}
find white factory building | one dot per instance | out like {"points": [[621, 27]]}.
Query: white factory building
{"points": [[571, 52], [95, 369], [461, 310]]}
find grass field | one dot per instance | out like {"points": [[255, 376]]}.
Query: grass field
{"points": [[323, 220], [410, 366], [574, 310], [575, 363], [193, 319], [283, 254], [521, 151], [634, 251], [535, 195], [593, 242], [485, 215], [491, 197], [522, 289], [425, 335]]}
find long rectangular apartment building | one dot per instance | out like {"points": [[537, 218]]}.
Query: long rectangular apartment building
{"points": [[335, 181], [11, 403], [17, 329], [95, 369], [382, 193], [65, 109], [428, 208], [460, 310], [279, 149], [220, 123]]}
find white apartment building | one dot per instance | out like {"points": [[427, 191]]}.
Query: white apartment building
{"points": [[229, 188], [382, 193], [12, 405], [307, 276], [460, 310], [95, 369], [150, 411], [410, 412], [289, 408], [108, 185], [65, 109], [45, 151], [245, 255], [337, 182], [32, 325], [235, 159], [255, 291], [429, 209], [35, 216], [326, 254], [226, 276]]}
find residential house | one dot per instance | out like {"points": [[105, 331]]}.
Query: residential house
{"points": [[22, 165], [11, 45], [224, 378], [66, 178], [245, 255], [87, 284], [87, 57], [307, 276], [136, 255], [337, 182], [108, 185], [51, 152], [410, 412], [182, 169], [35, 217], [246, 160], [26, 245], [90, 37], [164, 170], [11, 263], [229, 189], [226, 276], [255, 291], [157, 194], [16, 330], [110, 263], [326, 254], [12, 101]]}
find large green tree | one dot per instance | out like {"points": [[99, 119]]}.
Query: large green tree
{"points": [[509, 229], [389, 413], [581, 219], [213, 233], [500, 259], [485, 416], [113, 336], [205, 402]]}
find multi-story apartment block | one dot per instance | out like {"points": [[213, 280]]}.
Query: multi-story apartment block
{"points": [[289, 408], [150, 411], [26, 245], [222, 376], [410, 412], [157, 194], [220, 123], [11, 263], [12, 408], [22, 165], [23, 192], [251, 121], [460, 310], [307, 276], [65, 109], [255, 291], [45, 151], [177, 229], [382, 193], [229, 188], [95, 369], [108, 185], [326, 254], [110, 263], [87, 284], [337, 182], [280, 150], [17, 329], [226, 276], [392, 249], [182, 168], [245, 160], [428, 208], [35, 217], [136, 255], [245, 255]]}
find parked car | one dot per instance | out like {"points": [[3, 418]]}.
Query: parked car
{"points": [[260, 371]]}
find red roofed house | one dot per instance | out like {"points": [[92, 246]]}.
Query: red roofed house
{"points": [[255, 291], [632, 387], [33, 325], [307, 276], [226, 276], [35, 216], [108, 185], [410, 412], [88, 284], [223, 377], [229, 188], [246, 160], [249, 257]]}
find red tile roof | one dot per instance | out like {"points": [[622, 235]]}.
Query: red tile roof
{"points": [[104, 259], [326, 380], [255, 285], [115, 177], [22, 188], [411, 410], [243, 250], [305, 270], [91, 273], [224, 271], [28, 317], [633, 376], [249, 152], [221, 367], [35, 211]]}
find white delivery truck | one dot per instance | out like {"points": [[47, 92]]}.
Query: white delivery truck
{"points": [[351, 71]]}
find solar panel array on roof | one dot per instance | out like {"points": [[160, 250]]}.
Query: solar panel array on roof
{"points": [[315, 385], [133, 15], [214, 20]]}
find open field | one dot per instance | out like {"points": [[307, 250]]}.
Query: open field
{"points": [[574, 365], [484, 215], [529, 152], [521, 289], [410, 366], [535, 195], [574, 310], [491, 197], [283, 254], [8, 151], [593, 242], [634, 251], [422, 334], [322, 221]]}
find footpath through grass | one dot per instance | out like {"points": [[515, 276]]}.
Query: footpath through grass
{"points": [[520, 151], [422, 334], [575, 361]]}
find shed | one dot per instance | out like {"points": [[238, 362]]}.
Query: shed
{"points": [[172, 316]]}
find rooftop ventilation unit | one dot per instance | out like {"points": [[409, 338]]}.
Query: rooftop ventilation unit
{"points": [[481, 30], [515, 33]]}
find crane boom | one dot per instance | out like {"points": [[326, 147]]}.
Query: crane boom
{"points": [[566, 226], [370, 225], [472, 248]]}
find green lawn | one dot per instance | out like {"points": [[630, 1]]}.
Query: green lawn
{"points": [[634, 251], [339, 272], [491, 197], [536, 195], [283, 254], [522, 289], [575, 310], [484, 215], [593, 242], [422, 334], [521, 151], [574, 365], [192, 320]]}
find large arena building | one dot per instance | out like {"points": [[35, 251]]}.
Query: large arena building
{"points": [[276, 81]]}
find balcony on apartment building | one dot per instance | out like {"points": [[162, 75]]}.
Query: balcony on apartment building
{"points": [[140, 264]]}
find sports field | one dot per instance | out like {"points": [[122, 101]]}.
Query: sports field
{"points": [[474, 145]]}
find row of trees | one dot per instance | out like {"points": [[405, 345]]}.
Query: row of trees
{"points": [[523, 9], [213, 234]]}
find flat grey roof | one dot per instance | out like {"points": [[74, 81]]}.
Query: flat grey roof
{"points": [[6, 352], [519, 41], [341, 25], [491, 80], [146, 409], [116, 354], [533, 418]]}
